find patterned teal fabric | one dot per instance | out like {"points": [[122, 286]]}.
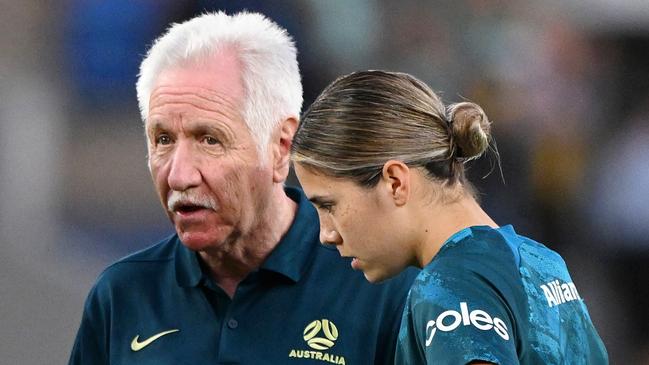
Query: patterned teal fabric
{"points": [[492, 295]]}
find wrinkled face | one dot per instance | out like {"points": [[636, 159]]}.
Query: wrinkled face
{"points": [[202, 157], [359, 221]]}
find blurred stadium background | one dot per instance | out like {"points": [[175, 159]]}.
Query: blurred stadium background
{"points": [[566, 84]]}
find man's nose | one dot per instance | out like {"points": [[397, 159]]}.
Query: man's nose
{"points": [[184, 172]]}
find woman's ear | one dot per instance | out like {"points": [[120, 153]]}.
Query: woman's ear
{"points": [[396, 178]]}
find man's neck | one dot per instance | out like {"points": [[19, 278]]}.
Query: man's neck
{"points": [[233, 261]]}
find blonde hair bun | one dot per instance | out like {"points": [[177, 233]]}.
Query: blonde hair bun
{"points": [[471, 130]]}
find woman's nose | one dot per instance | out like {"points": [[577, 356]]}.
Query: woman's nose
{"points": [[329, 236]]}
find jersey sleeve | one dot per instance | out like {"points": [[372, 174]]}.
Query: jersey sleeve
{"points": [[91, 342], [456, 317]]}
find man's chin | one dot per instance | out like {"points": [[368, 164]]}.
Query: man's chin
{"points": [[198, 241]]}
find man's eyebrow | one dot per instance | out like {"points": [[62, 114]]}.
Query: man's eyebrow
{"points": [[199, 127], [202, 128], [155, 125]]}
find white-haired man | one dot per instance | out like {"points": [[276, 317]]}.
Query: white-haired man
{"points": [[244, 279]]}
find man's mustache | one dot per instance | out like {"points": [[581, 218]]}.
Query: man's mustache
{"points": [[179, 199]]}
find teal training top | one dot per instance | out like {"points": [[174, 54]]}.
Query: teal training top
{"points": [[492, 295], [304, 305]]}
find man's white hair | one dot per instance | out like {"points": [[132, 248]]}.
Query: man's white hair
{"points": [[270, 73]]}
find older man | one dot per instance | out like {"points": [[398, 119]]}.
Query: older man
{"points": [[244, 280]]}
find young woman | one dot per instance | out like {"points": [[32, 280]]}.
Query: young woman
{"points": [[382, 159]]}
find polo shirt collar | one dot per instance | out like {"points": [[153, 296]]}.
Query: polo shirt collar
{"points": [[188, 269], [290, 258], [293, 255]]}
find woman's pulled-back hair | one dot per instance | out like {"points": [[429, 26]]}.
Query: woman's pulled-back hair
{"points": [[366, 118]]}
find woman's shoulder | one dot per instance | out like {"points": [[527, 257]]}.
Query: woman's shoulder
{"points": [[477, 250], [483, 263]]}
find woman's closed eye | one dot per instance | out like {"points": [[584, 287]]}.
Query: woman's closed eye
{"points": [[327, 207]]}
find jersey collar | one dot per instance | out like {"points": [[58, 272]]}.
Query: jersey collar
{"points": [[294, 253], [188, 269]]}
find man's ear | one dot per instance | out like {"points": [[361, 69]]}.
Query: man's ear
{"points": [[396, 178], [281, 149]]}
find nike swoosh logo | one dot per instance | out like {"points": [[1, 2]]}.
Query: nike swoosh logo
{"points": [[137, 346]]}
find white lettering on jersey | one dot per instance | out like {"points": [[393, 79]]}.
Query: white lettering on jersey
{"points": [[558, 293], [450, 320]]}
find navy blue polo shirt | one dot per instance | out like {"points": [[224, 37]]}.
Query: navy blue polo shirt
{"points": [[304, 305]]}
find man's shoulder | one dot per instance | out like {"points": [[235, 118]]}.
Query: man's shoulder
{"points": [[163, 250], [139, 263]]}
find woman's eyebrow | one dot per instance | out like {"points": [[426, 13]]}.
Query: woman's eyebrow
{"points": [[319, 200]]}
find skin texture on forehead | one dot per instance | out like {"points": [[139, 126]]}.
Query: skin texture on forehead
{"points": [[201, 96], [209, 84]]}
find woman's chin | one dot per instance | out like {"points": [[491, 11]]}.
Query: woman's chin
{"points": [[378, 274], [375, 276]]}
